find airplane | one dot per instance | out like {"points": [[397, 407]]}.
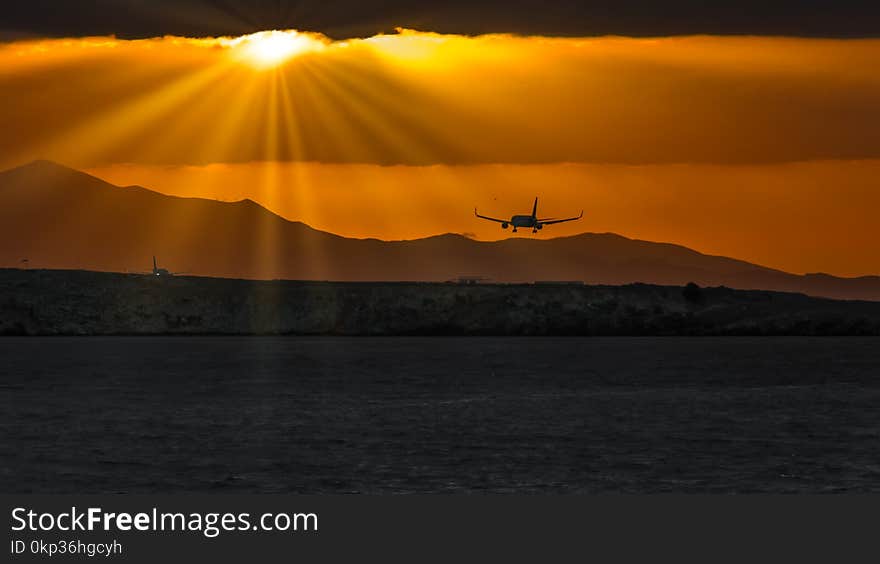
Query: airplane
{"points": [[532, 221], [159, 271], [162, 271]]}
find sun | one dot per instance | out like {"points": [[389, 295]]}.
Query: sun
{"points": [[268, 49]]}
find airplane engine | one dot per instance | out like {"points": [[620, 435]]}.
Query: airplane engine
{"points": [[503, 226], [539, 226]]}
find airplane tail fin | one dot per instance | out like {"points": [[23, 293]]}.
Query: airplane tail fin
{"points": [[535, 208]]}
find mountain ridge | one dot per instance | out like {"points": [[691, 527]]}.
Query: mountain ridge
{"points": [[59, 217]]}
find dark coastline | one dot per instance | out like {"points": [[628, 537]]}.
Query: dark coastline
{"points": [[68, 302]]}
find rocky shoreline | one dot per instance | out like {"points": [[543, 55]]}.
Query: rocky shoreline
{"points": [[72, 302]]}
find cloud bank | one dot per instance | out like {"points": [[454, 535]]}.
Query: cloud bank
{"points": [[362, 18], [423, 98]]}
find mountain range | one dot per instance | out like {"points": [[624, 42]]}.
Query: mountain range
{"points": [[57, 217]]}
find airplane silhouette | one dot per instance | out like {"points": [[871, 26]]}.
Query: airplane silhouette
{"points": [[532, 221], [159, 271], [164, 272]]}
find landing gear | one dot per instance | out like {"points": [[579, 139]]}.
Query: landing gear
{"points": [[534, 230], [514, 229]]}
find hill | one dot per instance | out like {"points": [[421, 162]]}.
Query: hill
{"points": [[61, 218]]}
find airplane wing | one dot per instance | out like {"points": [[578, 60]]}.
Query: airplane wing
{"points": [[552, 221], [490, 218]]}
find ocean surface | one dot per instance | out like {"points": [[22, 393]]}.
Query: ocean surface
{"points": [[401, 415]]}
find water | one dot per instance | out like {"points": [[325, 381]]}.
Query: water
{"points": [[383, 415]]}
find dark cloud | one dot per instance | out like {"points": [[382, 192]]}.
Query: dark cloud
{"points": [[356, 18]]}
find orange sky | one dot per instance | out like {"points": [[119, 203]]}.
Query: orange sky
{"points": [[801, 217], [765, 149]]}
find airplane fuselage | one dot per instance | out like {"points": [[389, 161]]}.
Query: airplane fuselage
{"points": [[525, 221]]}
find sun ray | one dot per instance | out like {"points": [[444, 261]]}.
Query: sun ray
{"points": [[94, 138]]}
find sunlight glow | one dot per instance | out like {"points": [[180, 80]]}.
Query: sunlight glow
{"points": [[406, 126], [268, 49]]}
